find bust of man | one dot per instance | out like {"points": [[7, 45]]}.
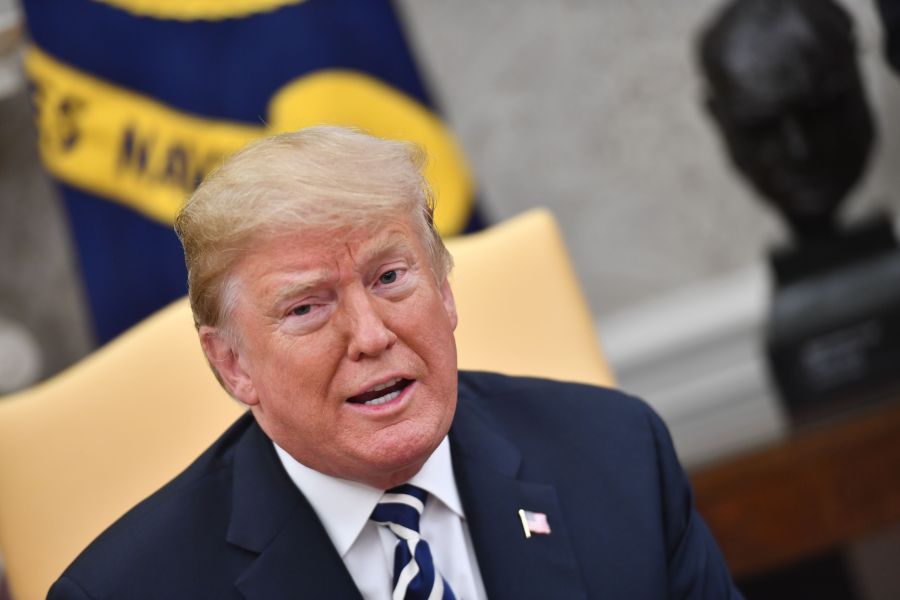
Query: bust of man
{"points": [[783, 85]]}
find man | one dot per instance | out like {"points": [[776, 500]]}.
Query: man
{"points": [[319, 288]]}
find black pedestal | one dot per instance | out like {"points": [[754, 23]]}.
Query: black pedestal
{"points": [[834, 326]]}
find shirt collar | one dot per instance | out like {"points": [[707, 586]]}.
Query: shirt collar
{"points": [[344, 506]]}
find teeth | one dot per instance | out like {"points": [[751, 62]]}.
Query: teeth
{"points": [[384, 385], [382, 399]]}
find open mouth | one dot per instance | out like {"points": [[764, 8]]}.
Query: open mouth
{"points": [[381, 394]]}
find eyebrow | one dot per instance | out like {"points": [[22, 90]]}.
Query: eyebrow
{"points": [[307, 282], [392, 242]]}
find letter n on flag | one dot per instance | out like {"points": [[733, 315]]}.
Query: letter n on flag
{"points": [[136, 100]]}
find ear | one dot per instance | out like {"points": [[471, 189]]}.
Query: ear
{"points": [[225, 359], [449, 302]]}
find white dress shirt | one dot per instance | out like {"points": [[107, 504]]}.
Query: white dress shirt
{"points": [[344, 508]]}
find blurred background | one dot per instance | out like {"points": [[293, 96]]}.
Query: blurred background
{"points": [[595, 110]]}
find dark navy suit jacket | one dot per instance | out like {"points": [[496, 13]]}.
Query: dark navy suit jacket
{"points": [[598, 463]]}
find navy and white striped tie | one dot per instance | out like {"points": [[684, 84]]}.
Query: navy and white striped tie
{"points": [[415, 576]]}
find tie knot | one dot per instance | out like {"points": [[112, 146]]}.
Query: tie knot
{"points": [[400, 509]]}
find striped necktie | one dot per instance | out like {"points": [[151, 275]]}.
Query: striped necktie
{"points": [[415, 576]]}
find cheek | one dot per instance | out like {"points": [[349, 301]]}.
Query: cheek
{"points": [[295, 400], [312, 351], [439, 351], [431, 333]]}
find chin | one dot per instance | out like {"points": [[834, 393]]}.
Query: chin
{"points": [[388, 472], [403, 454]]}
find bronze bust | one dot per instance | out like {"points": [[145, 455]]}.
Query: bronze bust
{"points": [[784, 88]]}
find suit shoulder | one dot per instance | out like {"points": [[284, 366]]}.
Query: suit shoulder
{"points": [[195, 500], [542, 411], [546, 394]]}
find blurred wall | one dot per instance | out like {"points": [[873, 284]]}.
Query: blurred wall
{"points": [[594, 109], [42, 322]]}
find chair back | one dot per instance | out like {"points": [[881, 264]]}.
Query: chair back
{"points": [[521, 309]]}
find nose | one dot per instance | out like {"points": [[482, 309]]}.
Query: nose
{"points": [[367, 333], [795, 139]]}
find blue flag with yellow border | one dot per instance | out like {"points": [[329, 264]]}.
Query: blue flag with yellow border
{"points": [[136, 100]]}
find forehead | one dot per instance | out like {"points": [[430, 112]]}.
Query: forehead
{"points": [[321, 250], [769, 87]]}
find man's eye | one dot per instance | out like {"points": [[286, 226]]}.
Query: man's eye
{"points": [[388, 277], [301, 310]]}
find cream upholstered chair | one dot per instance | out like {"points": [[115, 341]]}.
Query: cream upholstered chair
{"points": [[80, 449], [521, 310]]}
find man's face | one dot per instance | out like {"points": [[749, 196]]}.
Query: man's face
{"points": [[803, 152], [345, 350]]}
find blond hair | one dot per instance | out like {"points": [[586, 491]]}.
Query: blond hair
{"points": [[317, 178]]}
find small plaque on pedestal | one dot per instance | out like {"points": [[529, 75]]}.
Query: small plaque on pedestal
{"points": [[833, 336]]}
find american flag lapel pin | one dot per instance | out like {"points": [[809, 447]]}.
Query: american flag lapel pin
{"points": [[534, 523]]}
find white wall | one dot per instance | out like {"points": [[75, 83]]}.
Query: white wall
{"points": [[593, 109]]}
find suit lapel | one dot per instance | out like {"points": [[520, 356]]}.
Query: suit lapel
{"points": [[271, 517], [487, 469]]}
